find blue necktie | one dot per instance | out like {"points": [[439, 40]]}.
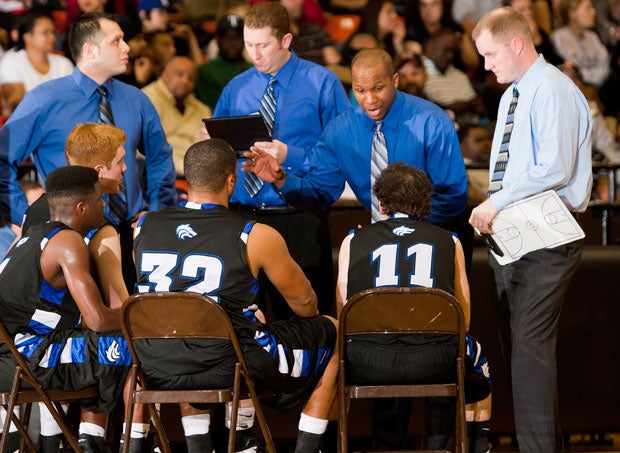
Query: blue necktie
{"points": [[252, 183], [502, 156], [117, 211], [378, 162]]}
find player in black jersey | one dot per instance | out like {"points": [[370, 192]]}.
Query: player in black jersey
{"points": [[47, 294], [203, 247], [404, 250], [100, 146]]}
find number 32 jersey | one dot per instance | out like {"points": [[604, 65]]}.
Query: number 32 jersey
{"points": [[198, 248]]}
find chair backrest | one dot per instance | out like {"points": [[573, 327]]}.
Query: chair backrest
{"points": [[161, 315], [402, 311]]}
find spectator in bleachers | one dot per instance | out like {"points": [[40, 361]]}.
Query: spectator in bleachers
{"points": [[411, 74], [608, 21], [577, 43], [214, 75], [154, 17], [448, 86], [379, 19], [426, 17], [539, 36], [310, 40], [32, 61], [179, 111], [475, 142]]}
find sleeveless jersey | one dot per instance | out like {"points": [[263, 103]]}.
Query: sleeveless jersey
{"points": [[199, 248], [401, 252], [30, 308]]}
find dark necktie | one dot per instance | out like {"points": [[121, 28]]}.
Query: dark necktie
{"points": [[117, 211], [502, 156], [267, 109], [378, 162]]}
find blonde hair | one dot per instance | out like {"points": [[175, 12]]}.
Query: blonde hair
{"points": [[503, 23], [93, 144]]}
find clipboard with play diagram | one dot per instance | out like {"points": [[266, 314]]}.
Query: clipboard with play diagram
{"points": [[537, 222]]}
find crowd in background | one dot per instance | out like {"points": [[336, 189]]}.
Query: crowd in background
{"points": [[429, 40]]}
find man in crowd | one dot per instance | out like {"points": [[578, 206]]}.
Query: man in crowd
{"points": [[179, 111], [297, 100], [542, 142], [206, 248], [215, 74]]}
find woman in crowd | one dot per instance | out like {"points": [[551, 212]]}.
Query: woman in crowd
{"points": [[31, 62]]}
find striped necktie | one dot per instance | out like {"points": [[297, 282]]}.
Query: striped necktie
{"points": [[502, 156], [267, 109], [378, 161], [117, 203]]}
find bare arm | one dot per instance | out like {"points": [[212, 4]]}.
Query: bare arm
{"points": [[65, 263], [13, 94], [343, 274], [461, 285], [105, 252], [267, 250]]}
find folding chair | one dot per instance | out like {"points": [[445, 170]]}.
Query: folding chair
{"points": [[26, 389], [178, 315], [402, 311]]}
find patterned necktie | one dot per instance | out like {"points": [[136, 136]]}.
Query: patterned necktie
{"points": [[378, 161], [117, 202], [502, 156], [267, 109]]}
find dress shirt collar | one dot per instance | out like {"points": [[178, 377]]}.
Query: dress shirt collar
{"points": [[285, 75], [88, 85], [531, 76], [390, 120]]}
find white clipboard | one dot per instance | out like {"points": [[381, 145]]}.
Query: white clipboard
{"points": [[537, 222]]}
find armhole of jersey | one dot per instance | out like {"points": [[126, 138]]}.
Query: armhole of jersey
{"points": [[455, 237], [246, 231], [139, 225]]}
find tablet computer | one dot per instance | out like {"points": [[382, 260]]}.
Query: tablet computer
{"points": [[240, 132]]}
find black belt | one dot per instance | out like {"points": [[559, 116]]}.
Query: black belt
{"points": [[262, 209]]}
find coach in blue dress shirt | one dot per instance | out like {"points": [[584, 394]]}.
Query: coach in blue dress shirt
{"points": [[307, 98], [40, 124], [417, 132]]}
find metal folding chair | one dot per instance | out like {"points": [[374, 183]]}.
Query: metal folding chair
{"points": [[26, 389], [178, 315], [402, 311]]}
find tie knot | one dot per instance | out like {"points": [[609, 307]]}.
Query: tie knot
{"points": [[378, 126], [272, 82], [515, 93], [103, 91]]}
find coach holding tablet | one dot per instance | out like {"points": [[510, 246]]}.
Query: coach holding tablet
{"points": [[297, 99]]}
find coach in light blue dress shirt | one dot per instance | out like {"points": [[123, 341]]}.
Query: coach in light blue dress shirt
{"points": [[308, 96], [546, 123]]}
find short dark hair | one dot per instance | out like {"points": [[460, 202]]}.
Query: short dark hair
{"points": [[84, 29], [25, 25], [208, 163], [374, 57], [71, 182], [269, 14], [405, 189]]}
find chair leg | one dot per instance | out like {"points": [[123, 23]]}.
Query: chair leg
{"points": [[161, 433], [342, 411], [129, 409], [262, 421], [234, 409]]}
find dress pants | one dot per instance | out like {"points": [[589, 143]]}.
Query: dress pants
{"points": [[529, 294]]}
